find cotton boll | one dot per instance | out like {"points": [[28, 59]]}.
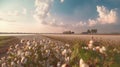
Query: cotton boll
{"points": [[23, 60], [19, 52], [82, 63], [97, 48], [3, 58], [58, 64], [15, 59], [16, 46], [18, 62], [102, 50], [13, 64], [64, 65], [90, 45], [67, 59], [28, 43], [36, 44], [64, 52], [29, 47], [67, 45], [4, 65], [22, 40], [91, 41]]}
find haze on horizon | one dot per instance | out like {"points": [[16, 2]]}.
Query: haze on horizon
{"points": [[56, 16]]}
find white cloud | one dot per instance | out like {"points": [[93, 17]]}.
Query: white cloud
{"points": [[42, 13], [106, 16], [61, 1], [24, 11], [42, 9], [91, 22]]}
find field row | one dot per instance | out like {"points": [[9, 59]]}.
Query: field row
{"points": [[56, 51]]}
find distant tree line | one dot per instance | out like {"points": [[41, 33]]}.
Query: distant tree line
{"points": [[90, 31], [68, 32]]}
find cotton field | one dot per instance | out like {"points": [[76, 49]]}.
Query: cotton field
{"points": [[52, 52]]}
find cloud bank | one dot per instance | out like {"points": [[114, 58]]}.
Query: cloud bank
{"points": [[42, 15], [105, 16]]}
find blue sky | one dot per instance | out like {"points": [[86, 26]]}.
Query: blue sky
{"points": [[59, 15]]}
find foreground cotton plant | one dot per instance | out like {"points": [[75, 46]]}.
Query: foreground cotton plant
{"points": [[36, 53]]}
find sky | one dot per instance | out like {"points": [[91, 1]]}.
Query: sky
{"points": [[56, 16]]}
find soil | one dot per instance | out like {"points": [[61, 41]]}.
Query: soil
{"points": [[5, 46]]}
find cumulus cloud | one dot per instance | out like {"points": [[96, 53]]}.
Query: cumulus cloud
{"points": [[42, 13], [106, 16], [92, 22], [42, 9]]}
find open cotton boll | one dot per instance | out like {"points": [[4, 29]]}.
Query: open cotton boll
{"points": [[3, 58], [67, 45], [64, 65], [22, 40], [29, 47], [82, 63], [28, 43], [97, 48], [94, 49], [58, 64], [102, 50], [64, 52], [91, 41], [36, 44], [19, 52], [67, 59], [23, 60], [90, 45], [13, 64], [16, 46], [4, 65]]}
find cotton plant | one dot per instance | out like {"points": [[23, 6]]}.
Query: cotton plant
{"points": [[43, 52]]}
